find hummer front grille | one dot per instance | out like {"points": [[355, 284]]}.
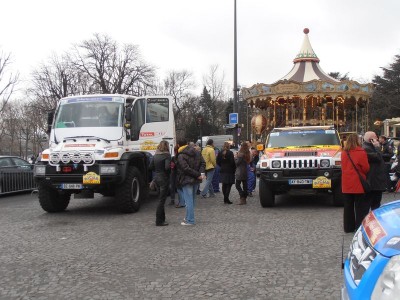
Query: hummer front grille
{"points": [[300, 163], [303, 153]]}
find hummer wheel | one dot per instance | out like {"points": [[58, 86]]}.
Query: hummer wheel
{"points": [[267, 196]]}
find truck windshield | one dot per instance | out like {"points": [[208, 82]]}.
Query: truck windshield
{"points": [[302, 138], [89, 113]]}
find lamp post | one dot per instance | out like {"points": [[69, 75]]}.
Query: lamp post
{"points": [[235, 87]]}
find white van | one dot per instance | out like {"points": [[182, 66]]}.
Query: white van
{"points": [[219, 140]]}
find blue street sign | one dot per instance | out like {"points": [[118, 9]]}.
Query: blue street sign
{"points": [[233, 118]]}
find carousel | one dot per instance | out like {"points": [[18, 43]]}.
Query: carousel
{"points": [[308, 96]]}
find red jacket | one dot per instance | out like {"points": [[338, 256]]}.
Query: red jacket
{"points": [[350, 181]]}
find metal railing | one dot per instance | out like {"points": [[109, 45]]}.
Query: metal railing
{"points": [[12, 181]]}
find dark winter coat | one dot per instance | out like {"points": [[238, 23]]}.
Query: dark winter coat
{"points": [[241, 167], [387, 151], [161, 165], [190, 166], [351, 183], [228, 167], [376, 176]]}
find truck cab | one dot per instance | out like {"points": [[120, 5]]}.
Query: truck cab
{"points": [[103, 144]]}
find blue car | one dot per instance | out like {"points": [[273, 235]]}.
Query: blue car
{"points": [[372, 267]]}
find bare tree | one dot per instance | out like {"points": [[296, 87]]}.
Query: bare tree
{"points": [[214, 82], [10, 129], [8, 80], [178, 85], [54, 80], [111, 69]]}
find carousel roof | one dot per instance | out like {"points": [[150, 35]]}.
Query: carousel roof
{"points": [[306, 65]]}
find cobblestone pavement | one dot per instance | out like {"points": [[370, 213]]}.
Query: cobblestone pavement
{"points": [[91, 251]]}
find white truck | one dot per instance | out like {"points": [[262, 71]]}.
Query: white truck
{"points": [[102, 144]]}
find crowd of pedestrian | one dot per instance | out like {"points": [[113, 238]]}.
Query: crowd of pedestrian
{"points": [[183, 172]]}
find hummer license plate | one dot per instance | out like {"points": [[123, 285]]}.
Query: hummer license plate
{"points": [[300, 181]]}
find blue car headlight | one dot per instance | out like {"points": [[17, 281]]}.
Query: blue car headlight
{"points": [[388, 285]]}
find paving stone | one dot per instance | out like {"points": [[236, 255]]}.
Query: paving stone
{"points": [[91, 251]]}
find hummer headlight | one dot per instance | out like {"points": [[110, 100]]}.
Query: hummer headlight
{"points": [[276, 163], [324, 163]]}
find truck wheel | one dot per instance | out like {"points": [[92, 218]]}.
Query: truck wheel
{"points": [[338, 199], [128, 194], [267, 197], [51, 200]]}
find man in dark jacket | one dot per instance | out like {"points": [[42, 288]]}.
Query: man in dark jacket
{"points": [[191, 166], [377, 172]]}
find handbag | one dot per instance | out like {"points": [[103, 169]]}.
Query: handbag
{"points": [[364, 183]]}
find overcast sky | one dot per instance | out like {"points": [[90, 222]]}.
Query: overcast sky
{"points": [[357, 37]]}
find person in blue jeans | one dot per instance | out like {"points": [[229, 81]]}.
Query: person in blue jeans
{"points": [[208, 154], [190, 165]]}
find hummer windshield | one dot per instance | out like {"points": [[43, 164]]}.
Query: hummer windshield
{"points": [[303, 138], [90, 112]]}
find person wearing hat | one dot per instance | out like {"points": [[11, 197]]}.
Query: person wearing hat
{"points": [[376, 176]]}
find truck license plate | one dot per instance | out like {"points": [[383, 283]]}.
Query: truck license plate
{"points": [[300, 181], [71, 186]]}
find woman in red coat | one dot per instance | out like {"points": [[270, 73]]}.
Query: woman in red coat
{"points": [[356, 206]]}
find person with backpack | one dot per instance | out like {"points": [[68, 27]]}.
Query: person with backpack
{"points": [[190, 172]]}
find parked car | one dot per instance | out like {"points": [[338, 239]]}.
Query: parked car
{"points": [[372, 267], [16, 175]]}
